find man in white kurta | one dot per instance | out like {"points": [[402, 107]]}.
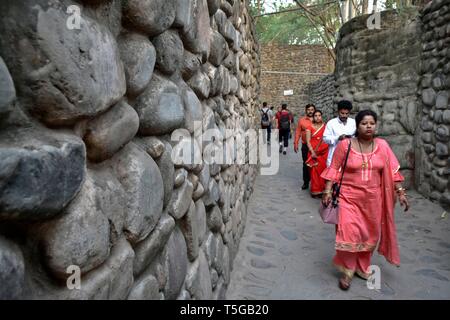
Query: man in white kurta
{"points": [[339, 128]]}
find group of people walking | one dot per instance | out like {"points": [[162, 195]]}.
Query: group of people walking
{"points": [[282, 120], [371, 182]]}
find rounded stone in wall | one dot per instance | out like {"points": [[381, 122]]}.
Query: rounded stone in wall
{"points": [[180, 176], [189, 226], [428, 97], [427, 137], [215, 79], [56, 89], [12, 270], [197, 36], [198, 279], [141, 179], [446, 70], [139, 57], [201, 84], [145, 289], [7, 90], [193, 111], [152, 145], [437, 116], [200, 213], [176, 264], [107, 133], [214, 219], [41, 172], [442, 100], [149, 16], [426, 125], [446, 116], [443, 133], [184, 14], [441, 149], [159, 107], [191, 63], [219, 49], [167, 170], [80, 237], [169, 51], [213, 6], [181, 200], [438, 82]]}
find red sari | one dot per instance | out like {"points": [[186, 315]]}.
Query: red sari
{"points": [[319, 164]]}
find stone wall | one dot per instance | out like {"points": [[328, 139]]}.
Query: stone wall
{"points": [[402, 73], [87, 174], [379, 70], [433, 143], [321, 93], [292, 67]]}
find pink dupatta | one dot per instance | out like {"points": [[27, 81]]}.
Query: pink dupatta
{"points": [[388, 245]]}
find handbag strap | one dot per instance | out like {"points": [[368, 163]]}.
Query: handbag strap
{"points": [[343, 169]]}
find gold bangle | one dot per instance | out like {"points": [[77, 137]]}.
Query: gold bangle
{"points": [[327, 191], [400, 189]]}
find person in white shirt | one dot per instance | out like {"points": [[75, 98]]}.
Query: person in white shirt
{"points": [[339, 128], [266, 120]]}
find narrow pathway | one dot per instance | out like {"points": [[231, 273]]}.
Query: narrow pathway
{"points": [[286, 250]]}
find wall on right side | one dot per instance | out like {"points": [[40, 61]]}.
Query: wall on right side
{"points": [[433, 143], [402, 72]]}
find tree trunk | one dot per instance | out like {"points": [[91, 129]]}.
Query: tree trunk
{"points": [[344, 10], [365, 7]]}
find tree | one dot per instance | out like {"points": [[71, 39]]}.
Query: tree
{"points": [[306, 22], [312, 21]]}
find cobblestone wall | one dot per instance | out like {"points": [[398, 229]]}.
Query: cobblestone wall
{"points": [[86, 171], [402, 73], [321, 93], [292, 67], [379, 70], [433, 141]]}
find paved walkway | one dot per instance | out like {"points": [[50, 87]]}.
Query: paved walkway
{"points": [[286, 250]]}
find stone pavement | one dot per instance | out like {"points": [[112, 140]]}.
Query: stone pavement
{"points": [[286, 250]]}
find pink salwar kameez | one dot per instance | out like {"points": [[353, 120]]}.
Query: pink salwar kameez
{"points": [[366, 206]]}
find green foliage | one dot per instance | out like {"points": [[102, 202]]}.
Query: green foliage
{"points": [[293, 27]]}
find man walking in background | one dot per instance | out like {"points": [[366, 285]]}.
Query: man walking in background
{"points": [[284, 120], [266, 120], [339, 128], [303, 124]]}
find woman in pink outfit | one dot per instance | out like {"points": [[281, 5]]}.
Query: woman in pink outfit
{"points": [[366, 202]]}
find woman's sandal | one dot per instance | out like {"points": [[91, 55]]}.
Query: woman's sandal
{"points": [[362, 275], [344, 282]]}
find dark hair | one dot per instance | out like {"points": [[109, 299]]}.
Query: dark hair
{"points": [[360, 116], [344, 104], [264, 104], [309, 105], [284, 106], [319, 111]]}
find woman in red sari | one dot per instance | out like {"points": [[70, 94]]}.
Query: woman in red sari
{"points": [[366, 201], [317, 155]]}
